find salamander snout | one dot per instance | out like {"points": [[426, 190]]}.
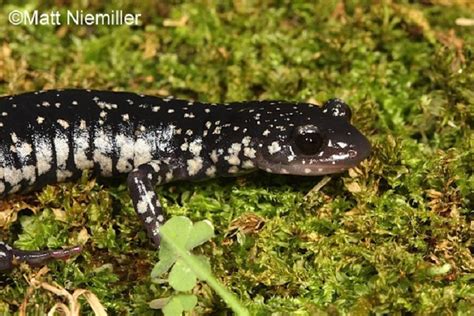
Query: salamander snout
{"points": [[316, 141]]}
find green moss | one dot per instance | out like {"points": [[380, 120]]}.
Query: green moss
{"points": [[393, 236]]}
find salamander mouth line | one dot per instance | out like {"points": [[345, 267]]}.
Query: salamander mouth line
{"points": [[315, 169], [306, 170]]}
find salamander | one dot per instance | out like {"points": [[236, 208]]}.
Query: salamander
{"points": [[52, 136]]}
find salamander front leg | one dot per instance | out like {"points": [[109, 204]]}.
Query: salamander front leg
{"points": [[9, 256], [141, 182]]}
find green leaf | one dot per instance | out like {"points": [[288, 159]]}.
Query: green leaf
{"points": [[195, 235], [178, 228], [188, 267], [201, 232], [204, 262], [167, 258], [439, 270], [159, 303], [181, 277], [180, 303], [162, 266], [189, 235], [173, 308], [188, 301]]}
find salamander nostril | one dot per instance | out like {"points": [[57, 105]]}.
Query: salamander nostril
{"points": [[352, 153]]}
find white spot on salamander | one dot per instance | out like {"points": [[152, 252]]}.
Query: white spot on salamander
{"points": [[194, 165], [82, 125], [249, 152], [62, 175], [12, 176], [24, 149], [195, 147], [248, 164], [274, 148], [63, 123], [44, 154], [102, 152], [61, 146], [217, 130], [211, 171], [142, 207], [125, 146], [214, 156], [184, 146], [246, 140], [155, 165], [142, 150], [81, 147], [338, 157], [233, 169], [233, 157], [14, 137]]}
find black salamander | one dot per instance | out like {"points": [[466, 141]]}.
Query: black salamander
{"points": [[53, 136]]}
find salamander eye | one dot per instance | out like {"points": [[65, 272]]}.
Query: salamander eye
{"points": [[337, 107], [308, 139]]}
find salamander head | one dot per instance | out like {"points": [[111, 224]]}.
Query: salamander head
{"points": [[308, 140]]}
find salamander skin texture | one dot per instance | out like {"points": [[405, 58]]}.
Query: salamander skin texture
{"points": [[53, 136]]}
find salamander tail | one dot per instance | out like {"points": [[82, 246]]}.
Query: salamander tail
{"points": [[10, 256]]}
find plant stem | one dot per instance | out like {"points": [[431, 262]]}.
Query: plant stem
{"points": [[203, 274]]}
